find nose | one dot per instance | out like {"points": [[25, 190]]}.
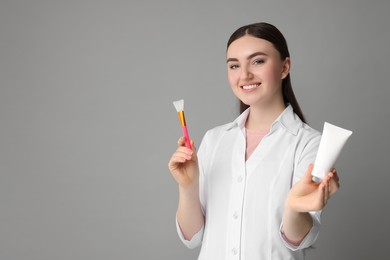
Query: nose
{"points": [[246, 73]]}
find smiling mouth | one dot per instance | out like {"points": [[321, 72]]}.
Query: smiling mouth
{"points": [[249, 87]]}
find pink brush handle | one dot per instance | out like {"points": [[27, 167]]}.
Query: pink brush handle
{"points": [[185, 133]]}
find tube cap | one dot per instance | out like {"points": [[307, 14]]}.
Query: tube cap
{"points": [[318, 173]]}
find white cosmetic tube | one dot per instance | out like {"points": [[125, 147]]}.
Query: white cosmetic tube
{"points": [[332, 142]]}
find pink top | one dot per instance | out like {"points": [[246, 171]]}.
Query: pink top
{"points": [[253, 138]]}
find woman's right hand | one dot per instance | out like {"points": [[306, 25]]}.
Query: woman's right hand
{"points": [[184, 165]]}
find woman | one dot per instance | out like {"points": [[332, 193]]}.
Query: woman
{"points": [[248, 193]]}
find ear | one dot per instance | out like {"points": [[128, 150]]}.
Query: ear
{"points": [[286, 67]]}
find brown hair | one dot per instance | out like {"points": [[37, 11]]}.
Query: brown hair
{"points": [[270, 33]]}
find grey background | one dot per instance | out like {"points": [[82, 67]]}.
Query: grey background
{"points": [[87, 123]]}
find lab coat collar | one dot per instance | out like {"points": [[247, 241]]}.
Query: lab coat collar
{"points": [[287, 119]]}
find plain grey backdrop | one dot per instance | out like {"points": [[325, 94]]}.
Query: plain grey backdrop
{"points": [[87, 124]]}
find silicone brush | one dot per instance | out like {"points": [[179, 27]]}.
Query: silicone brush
{"points": [[179, 105]]}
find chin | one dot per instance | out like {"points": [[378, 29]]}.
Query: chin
{"points": [[250, 102]]}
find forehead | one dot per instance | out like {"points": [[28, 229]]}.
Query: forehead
{"points": [[247, 45]]}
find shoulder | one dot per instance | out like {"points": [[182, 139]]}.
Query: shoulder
{"points": [[213, 135], [219, 130], [307, 144], [307, 138], [306, 131], [210, 143]]}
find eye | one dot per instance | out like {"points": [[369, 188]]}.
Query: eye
{"points": [[258, 61], [233, 66]]}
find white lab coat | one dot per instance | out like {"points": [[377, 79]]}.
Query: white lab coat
{"points": [[243, 201]]}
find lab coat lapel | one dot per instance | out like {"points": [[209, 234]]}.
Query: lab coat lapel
{"points": [[238, 154]]}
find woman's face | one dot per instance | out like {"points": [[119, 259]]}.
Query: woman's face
{"points": [[256, 71]]}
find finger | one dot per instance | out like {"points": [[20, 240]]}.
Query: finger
{"points": [[326, 193], [182, 144], [334, 186], [183, 149], [183, 153], [329, 186], [181, 141], [175, 161], [194, 152], [308, 176], [322, 195], [334, 174], [193, 145], [333, 182]]}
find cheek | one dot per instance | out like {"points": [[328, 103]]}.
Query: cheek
{"points": [[277, 70], [232, 79], [271, 74]]}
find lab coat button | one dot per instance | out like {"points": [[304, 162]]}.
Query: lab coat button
{"points": [[235, 215], [234, 251]]}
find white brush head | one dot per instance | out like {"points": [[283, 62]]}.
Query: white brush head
{"points": [[179, 105]]}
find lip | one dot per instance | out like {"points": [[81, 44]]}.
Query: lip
{"points": [[251, 86]]}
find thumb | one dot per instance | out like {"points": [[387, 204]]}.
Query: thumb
{"points": [[194, 155], [181, 141], [193, 145], [308, 176]]}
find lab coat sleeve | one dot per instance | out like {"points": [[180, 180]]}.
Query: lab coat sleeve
{"points": [[306, 155], [196, 240], [310, 238]]}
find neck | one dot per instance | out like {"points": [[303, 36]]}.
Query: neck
{"points": [[262, 117]]}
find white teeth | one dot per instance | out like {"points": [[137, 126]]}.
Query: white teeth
{"points": [[250, 87]]}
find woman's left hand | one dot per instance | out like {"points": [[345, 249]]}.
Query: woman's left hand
{"points": [[307, 195]]}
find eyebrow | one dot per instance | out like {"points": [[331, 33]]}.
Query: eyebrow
{"points": [[258, 53]]}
